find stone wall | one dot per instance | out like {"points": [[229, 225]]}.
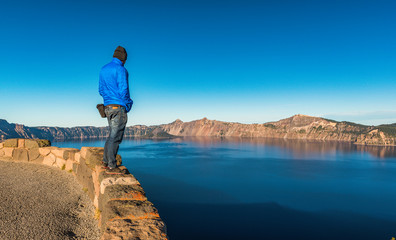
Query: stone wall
{"points": [[121, 205]]}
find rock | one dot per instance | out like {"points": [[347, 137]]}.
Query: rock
{"points": [[127, 209], [8, 151], [44, 151], [64, 153], [31, 144], [37, 160], [93, 156], [37, 143], [135, 229], [20, 154], [109, 180], [75, 167], [21, 143], [103, 175], [11, 143], [33, 154], [84, 151], [77, 157], [58, 152], [69, 165], [61, 163], [49, 160], [84, 177], [1, 145], [95, 180], [72, 153], [122, 192]]}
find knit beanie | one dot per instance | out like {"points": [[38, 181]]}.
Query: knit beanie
{"points": [[120, 53]]}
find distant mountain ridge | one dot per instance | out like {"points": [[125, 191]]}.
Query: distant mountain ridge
{"points": [[296, 127]]}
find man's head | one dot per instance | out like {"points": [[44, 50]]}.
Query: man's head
{"points": [[121, 54]]}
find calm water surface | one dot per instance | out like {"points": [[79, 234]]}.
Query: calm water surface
{"points": [[211, 188]]}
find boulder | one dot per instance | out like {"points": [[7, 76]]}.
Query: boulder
{"points": [[1, 145], [75, 167], [61, 163], [37, 143], [64, 153], [84, 177], [58, 152], [95, 180], [93, 156], [69, 165], [8, 151], [84, 151], [11, 143], [20, 154], [44, 151], [40, 159], [109, 180], [122, 192], [128, 209], [72, 153], [21, 143], [49, 160], [135, 229], [77, 157], [33, 154]]}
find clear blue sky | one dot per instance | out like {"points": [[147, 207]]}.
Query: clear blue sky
{"points": [[244, 61]]}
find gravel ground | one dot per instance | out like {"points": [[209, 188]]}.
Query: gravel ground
{"points": [[41, 202]]}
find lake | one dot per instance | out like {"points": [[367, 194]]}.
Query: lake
{"points": [[233, 188]]}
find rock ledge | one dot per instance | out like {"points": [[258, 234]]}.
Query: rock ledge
{"points": [[121, 204]]}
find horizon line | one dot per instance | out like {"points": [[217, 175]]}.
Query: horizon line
{"points": [[204, 118]]}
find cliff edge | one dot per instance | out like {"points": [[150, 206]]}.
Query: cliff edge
{"points": [[121, 204], [295, 127]]}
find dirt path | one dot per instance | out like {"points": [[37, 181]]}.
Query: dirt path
{"points": [[40, 202]]}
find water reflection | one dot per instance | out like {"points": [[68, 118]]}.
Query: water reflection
{"points": [[299, 148]]}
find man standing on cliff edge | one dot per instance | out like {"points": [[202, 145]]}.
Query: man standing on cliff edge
{"points": [[114, 88]]}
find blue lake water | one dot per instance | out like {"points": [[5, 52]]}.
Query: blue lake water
{"points": [[232, 188]]}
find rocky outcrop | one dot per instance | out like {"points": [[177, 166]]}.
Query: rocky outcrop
{"points": [[295, 127], [121, 204]]}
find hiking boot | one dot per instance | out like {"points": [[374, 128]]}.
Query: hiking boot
{"points": [[104, 165], [115, 170]]}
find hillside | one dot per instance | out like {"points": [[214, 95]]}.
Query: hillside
{"points": [[295, 127]]}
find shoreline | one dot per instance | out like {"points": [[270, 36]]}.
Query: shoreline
{"points": [[229, 137]]}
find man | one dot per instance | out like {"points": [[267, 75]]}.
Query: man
{"points": [[114, 88]]}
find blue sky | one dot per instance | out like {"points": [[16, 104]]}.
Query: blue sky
{"points": [[241, 61]]}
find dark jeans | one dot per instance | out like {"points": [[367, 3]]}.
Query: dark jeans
{"points": [[117, 118]]}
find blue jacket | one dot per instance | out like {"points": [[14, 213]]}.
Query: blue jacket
{"points": [[113, 84]]}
